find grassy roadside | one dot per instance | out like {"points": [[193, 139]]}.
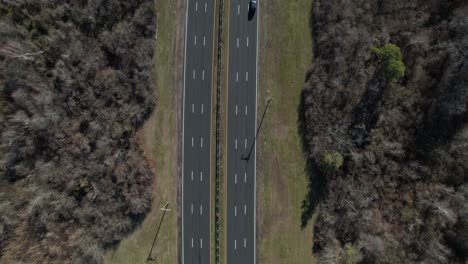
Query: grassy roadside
{"points": [[285, 55], [159, 138]]}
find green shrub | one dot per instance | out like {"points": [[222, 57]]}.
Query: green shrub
{"points": [[351, 255], [394, 66], [81, 188], [331, 161]]}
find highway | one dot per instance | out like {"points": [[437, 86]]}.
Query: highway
{"points": [[198, 83], [241, 128]]}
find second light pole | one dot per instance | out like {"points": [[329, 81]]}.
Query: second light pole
{"points": [[256, 135]]}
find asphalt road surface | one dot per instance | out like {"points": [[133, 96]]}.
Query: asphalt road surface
{"points": [[196, 131], [241, 128]]}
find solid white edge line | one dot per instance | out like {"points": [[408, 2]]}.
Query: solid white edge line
{"points": [[183, 126], [255, 158]]}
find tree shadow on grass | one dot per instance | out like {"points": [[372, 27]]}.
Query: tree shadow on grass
{"points": [[316, 181]]}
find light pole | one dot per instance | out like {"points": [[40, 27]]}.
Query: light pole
{"points": [[256, 135], [165, 209]]}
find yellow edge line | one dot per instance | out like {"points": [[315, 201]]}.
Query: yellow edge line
{"points": [[211, 125], [226, 134]]}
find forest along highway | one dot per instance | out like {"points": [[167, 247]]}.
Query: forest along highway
{"points": [[242, 105], [196, 131]]}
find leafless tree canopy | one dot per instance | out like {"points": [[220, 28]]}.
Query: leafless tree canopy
{"points": [[402, 193], [74, 87]]}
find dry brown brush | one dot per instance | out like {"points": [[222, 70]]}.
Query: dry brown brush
{"points": [[74, 87], [401, 195]]}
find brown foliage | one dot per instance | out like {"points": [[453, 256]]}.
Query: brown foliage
{"points": [[401, 196], [75, 86]]}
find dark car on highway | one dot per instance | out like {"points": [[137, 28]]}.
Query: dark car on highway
{"points": [[252, 8]]}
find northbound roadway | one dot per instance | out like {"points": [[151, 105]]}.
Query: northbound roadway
{"points": [[241, 128]]}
